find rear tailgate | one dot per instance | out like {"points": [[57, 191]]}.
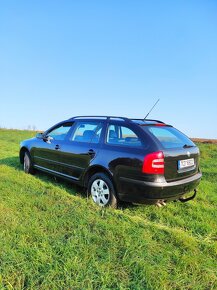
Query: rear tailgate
{"points": [[180, 163], [181, 155]]}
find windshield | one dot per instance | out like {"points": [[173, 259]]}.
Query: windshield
{"points": [[170, 137]]}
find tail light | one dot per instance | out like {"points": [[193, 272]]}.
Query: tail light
{"points": [[154, 163]]}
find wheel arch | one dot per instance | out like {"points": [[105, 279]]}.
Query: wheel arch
{"points": [[97, 169]]}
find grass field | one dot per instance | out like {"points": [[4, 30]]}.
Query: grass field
{"points": [[51, 237]]}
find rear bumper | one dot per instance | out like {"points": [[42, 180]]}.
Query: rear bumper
{"points": [[142, 191]]}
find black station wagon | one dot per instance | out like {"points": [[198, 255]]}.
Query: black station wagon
{"points": [[117, 159]]}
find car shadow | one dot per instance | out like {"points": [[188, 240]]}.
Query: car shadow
{"points": [[71, 188], [68, 186], [12, 162]]}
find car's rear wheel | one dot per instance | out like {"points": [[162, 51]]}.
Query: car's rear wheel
{"points": [[27, 164], [101, 190]]}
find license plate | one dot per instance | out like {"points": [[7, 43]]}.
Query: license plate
{"points": [[185, 163]]}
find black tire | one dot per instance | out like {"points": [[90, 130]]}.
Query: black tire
{"points": [[27, 164], [101, 189]]}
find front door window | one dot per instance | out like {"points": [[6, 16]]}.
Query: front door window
{"points": [[59, 133]]}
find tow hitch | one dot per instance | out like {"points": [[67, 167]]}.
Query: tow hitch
{"points": [[182, 199]]}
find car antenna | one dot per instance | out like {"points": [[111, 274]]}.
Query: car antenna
{"points": [[151, 109]]}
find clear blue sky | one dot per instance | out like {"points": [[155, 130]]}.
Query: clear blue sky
{"points": [[64, 58]]}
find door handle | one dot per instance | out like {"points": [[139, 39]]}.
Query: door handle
{"points": [[91, 152], [57, 147]]}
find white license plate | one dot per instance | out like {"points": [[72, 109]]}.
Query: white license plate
{"points": [[185, 163]]}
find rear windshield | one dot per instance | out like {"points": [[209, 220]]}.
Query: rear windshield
{"points": [[169, 137]]}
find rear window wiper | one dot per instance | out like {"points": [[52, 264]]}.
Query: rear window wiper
{"points": [[187, 146]]}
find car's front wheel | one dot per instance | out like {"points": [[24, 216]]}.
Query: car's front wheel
{"points": [[27, 164], [101, 190]]}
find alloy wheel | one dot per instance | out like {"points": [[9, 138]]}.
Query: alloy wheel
{"points": [[26, 163], [100, 192]]}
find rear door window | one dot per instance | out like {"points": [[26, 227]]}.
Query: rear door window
{"points": [[121, 135], [87, 132], [170, 137]]}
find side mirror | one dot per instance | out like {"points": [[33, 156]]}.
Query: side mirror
{"points": [[48, 139], [45, 138]]}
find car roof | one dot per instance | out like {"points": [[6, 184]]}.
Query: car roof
{"points": [[117, 118]]}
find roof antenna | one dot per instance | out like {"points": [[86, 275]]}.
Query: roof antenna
{"points": [[151, 109]]}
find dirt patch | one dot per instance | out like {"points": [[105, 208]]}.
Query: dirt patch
{"points": [[206, 141]]}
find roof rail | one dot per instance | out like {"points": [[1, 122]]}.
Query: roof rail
{"points": [[106, 117], [117, 117]]}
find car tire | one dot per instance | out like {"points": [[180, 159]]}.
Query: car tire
{"points": [[27, 164], [101, 189]]}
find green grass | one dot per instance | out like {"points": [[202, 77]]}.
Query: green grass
{"points": [[51, 237]]}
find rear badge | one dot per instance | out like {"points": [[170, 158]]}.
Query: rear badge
{"points": [[189, 154]]}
